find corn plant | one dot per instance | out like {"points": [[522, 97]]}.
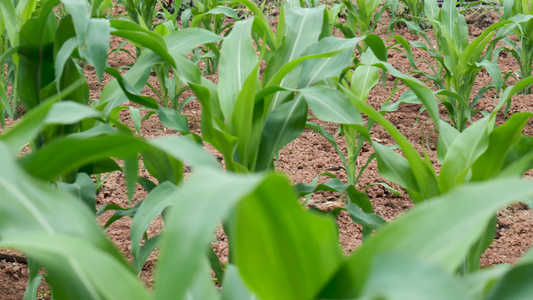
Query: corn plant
{"points": [[362, 18], [479, 153], [520, 12], [211, 15], [458, 60], [13, 15], [408, 12], [248, 121], [278, 254]]}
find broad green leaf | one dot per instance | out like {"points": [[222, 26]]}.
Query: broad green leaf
{"points": [[519, 158], [316, 70], [130, 91], [290, 263], [83, 188], [500, 141], [370, 220], [185, 148], [71, 270], [76, 152], [395, 168], [515, 284], [32, 123], [137, 34], [36, 63], [9, 16], [190, 225], [237, 62], [152, 206], [225, 11], [364, 78], [304, 27], [162, 166], [447, 135], [425, 174], [408, 97], [242, 121], [281, 126], [172, 119], [234, 286], [462, 153], [331, 105], [69, 112], [445, 243], [261, 25], [28, 128], [80, 15], [97, 44], [403, 277], [179, 43], [29, 205], [494, 72], [479, 283]]}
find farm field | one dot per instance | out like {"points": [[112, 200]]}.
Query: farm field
{"points": [[447, 162]]}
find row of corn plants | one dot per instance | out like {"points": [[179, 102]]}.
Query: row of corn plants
{"points": [[278, 249]]}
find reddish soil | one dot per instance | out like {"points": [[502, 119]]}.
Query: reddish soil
{"points": [[304, 159]]}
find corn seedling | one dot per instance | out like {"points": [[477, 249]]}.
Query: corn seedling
{"points": [[458, 60], [521, 13]]}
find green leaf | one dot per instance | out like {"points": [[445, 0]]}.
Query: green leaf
{"points": [[71, 269], [463, 152], [331, 105], [281, 126], [234, 286], [290, 263], [445, 243], [500, 141], [395, 168], [304, 27], [172, 119], [447, 135], [83, 188], [237, 62], [179, 260], [243, 121], [36, 64], [185, 148], [69, 112], [97, 44], [316, 70], [80, 15], [394, 276], [137, 34], [76, 152], [364, 77], [152, 206], [515, 284], [31, 206], [370, 220]]}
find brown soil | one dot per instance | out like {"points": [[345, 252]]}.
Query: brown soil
{"points": [[304, 159]]}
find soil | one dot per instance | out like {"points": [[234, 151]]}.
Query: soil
{"points": [[304, 159]]}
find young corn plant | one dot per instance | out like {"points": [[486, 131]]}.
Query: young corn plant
{"points": [[249, 121], [57, 232], [362, 17], [479, 153], [408, 12], [215, 16], [13, 15], [521, 13], [458, 60]]}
